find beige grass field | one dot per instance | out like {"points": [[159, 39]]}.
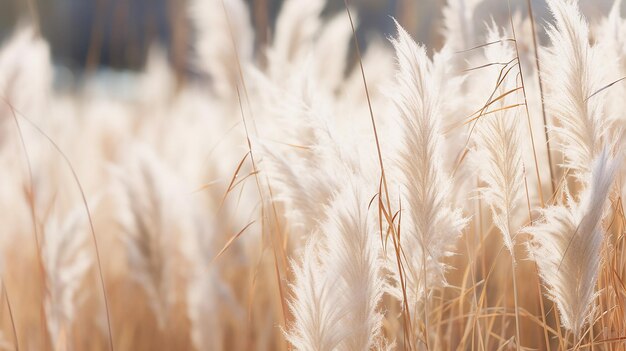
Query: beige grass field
{"points": [[319, 193]]}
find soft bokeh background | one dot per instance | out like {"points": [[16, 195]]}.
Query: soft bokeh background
{"points": [[117, 33]]}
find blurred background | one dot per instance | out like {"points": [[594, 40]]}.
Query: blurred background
{"points": [[89, 34]]}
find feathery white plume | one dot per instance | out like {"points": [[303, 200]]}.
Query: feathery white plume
{"points": [[296, 26], [304, 177], [431, 226], [352, 252], [572, 74], [25, 77], [609, 38], [316, 319], [149, 219], [458, 19], [567, 246], [219, 25], [65, 262], [338, 286], [331, 52], [499, 156]]}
